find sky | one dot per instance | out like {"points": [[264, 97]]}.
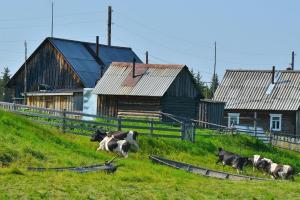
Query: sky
{"points": [[254, 34]]}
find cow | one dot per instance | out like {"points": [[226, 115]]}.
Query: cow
{"points": [[281, 171], [261, 163], [109, 143], [234, 160], [130, 136]]}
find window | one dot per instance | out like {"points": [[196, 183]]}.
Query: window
{"points": [[233, 119], [275, 122]]}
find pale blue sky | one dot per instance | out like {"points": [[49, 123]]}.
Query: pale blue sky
{"points": [[252, 34]]}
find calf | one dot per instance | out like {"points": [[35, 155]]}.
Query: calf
{"points": [[228, 158], [130, 136], [113, 145]]}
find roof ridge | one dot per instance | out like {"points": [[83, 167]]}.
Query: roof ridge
{"points": [[147, 65], [260, 70], [84, 42]]}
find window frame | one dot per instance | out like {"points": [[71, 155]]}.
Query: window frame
{"points": [[280, 122], [237, 115]]}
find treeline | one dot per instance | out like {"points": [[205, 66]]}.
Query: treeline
{"points": [[207, 88], [5, 94]]}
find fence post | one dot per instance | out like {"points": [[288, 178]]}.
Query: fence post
{"points": [[14, 107], [194, 132], [151, 126], [64, 121], [182, 130], [119, 124]]}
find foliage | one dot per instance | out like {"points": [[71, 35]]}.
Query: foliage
{"points": [[30, 144], [4, 91]]}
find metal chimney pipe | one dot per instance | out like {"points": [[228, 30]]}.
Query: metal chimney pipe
{"points": [[273, 74], [97, 46], [147, 56], [133, 68]]}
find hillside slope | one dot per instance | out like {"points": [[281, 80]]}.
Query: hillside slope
{"points": [[24, 143]]}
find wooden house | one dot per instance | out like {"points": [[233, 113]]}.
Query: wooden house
{"points": [[264, 99], [147, 89], [65, 67]]}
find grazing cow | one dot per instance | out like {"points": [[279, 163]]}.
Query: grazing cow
{"points": [[130, 136], [228, 158], [113, 145]]}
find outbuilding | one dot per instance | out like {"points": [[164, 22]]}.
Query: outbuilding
{"points": [[147, 89]]}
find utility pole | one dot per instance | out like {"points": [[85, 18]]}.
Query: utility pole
{"points": [[215, 63], [25, 74], [293, 60], [52, 20], [109, 26], [214, 75]]}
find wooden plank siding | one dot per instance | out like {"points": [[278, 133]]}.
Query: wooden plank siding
{"points": [[212, 112], [46, 66], [180, 106], [288, 124], [70, 103], [183, 86]]}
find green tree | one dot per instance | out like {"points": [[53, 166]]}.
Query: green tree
{"points": [[214, 85], [4, 91]]}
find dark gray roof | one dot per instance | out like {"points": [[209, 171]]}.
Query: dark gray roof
{"points": [[84, 63], [253, 90]]}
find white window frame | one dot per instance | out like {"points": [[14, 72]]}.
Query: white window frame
{"points": [[280, 121], [237, 115]]}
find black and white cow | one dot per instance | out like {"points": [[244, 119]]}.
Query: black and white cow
{"points": [[109, 143], [261, 163], [234, 160], [130, 136], [281, 171]]}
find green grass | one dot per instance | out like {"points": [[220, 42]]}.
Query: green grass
{"points": [[24, 143]]}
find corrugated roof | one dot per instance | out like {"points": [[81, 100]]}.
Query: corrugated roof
{"points": [[251, 90], [155, 80], [85, 64]]}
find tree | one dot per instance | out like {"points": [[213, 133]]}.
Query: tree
{"points": [[4, 91], [214, 85]]}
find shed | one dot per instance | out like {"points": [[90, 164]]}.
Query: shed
{"points": [[147, 89], [212, 112]]}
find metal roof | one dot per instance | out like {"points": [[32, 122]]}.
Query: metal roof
{"points": [[253, 90], [155, 80], [84, 63]]}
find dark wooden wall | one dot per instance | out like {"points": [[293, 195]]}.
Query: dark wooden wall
{"points": [[288, 124], [183, 86], [212, 112], [180, 106], [46, 66]]}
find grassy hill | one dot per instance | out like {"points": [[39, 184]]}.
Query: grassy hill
{"points": [[24, 143]]}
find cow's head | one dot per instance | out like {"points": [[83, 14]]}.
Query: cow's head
{"points": [[135, 135], [98, 136]]}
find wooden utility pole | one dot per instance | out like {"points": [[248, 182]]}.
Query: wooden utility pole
{"points": [[109, 26], [25, 74], [215, 63], [293, 60], [52, 20]]}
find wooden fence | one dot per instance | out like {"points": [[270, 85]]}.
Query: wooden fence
{"points": [[286, 141], [75, 122]]}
